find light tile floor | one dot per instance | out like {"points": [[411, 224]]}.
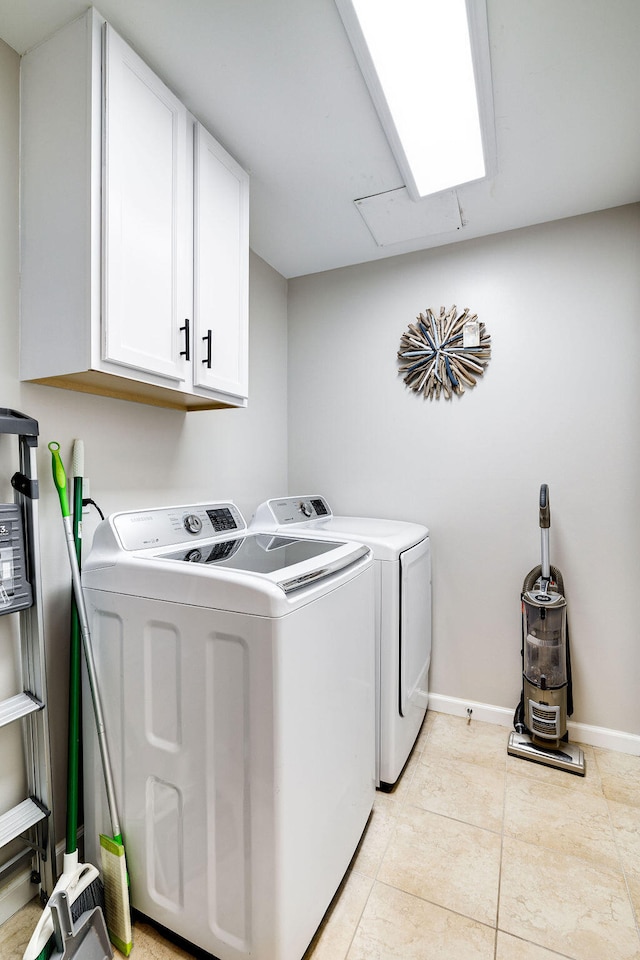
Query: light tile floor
{"points": [[476, 856]]}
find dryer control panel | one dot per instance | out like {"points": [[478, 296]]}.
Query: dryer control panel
{"points": [[296, 510], [169, 526]]}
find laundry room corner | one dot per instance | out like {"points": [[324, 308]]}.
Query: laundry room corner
{"points": [[557, 403], [319, 473]]}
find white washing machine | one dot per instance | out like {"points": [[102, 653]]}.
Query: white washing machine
{"points": [[237, 679], [403, 614]]}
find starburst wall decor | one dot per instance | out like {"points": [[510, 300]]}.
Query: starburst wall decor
{"points": [[443, 354]]}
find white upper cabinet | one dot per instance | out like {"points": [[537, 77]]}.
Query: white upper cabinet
{"points": [[134, 231], [146, 290], [220, 257]]}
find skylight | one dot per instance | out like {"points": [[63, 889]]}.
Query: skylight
{"points": [[416, 57]]}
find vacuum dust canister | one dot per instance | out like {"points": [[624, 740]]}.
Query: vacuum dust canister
{"points": [[545, 662]]}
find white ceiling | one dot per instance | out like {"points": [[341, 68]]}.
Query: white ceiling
{"points": [[277, 83]]}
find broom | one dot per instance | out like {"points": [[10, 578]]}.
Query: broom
{"points": [[80, 881], [112, 853]]}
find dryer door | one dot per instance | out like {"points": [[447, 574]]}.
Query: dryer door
{"points": [[415, 626]]}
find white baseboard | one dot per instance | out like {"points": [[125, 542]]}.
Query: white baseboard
{"points": [[16, 894], [479, 711], [617, 740]]}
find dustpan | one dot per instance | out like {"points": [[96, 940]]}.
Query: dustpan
{"points": [[86, 939]]}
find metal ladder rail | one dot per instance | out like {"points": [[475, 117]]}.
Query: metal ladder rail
{"points": [[32, 819]]}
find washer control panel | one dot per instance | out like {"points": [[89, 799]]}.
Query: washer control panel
{"points": [[299, 509], [167, 526]]}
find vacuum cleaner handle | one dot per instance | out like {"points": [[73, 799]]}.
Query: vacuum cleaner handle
{"points": [[545, 523], [545, 511]]}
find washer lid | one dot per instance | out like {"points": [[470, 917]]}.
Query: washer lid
{"points": [[254, 553], [188, 555]]}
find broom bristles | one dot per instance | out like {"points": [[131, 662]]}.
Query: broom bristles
{"points": [[89, 899], [116, 893]]}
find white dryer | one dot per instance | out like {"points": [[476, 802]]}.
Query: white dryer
{"points": [[402, 558], [236, 672]]}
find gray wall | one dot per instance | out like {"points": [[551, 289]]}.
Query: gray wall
{"points": [[135, 455], [558, 404]]}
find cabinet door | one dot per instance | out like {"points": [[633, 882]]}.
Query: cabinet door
{"points": [[146, 218], [221, 268]]}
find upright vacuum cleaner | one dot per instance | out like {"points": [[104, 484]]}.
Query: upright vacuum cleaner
{"points": [[540, 720]]}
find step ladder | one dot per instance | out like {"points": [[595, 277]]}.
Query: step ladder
{"points": [[26, 830]]}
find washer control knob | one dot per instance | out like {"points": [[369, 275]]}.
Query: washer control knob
{"points": [[192, 523], [306, 508]]}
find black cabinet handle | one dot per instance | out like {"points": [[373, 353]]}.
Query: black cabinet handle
{"points": [[186, 353], [207, 359]]}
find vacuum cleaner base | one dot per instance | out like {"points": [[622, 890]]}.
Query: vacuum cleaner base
{"points": [[566, 757]]}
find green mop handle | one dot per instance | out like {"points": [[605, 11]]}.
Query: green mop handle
{"points": [[75, 654], [60, 480]]}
